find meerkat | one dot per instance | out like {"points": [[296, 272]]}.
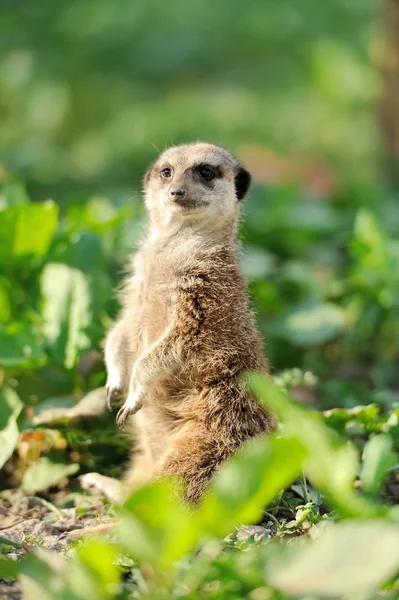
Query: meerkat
{"points": [[186, 332]]}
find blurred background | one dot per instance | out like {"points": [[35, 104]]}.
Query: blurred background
{"points": [[305, 93], [89, 88]]}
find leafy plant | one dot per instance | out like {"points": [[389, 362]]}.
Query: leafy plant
{"points": [[155, 529]]}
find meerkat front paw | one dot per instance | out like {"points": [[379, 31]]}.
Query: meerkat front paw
{"points": [[115, 387], [133, 403], [113, 395]]}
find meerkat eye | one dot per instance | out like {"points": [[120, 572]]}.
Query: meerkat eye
{"points": [[206, 172], [166, 173]]}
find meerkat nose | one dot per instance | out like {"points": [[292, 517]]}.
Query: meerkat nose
{"points": [[177, 194]]}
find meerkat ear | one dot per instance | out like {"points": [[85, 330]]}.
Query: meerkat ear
{"points": [[242, 181]]}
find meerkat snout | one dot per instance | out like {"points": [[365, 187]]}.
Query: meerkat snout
{"points": [[195, 183], [177, 194]]}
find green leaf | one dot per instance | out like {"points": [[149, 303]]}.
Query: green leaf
{"points": [[98, 214], [156, 527], [52, 409], [369, 241], [8, 568], [44, 575], [27, 230], [248, 482], [20, 348], [5, 300], [81, 251], [92, 404], [331, 466], [12, 193], [96, 570], [44, 474], [66, 312], [378, 458], [350, 559], [314, 324], [91, 573], [10, 407]]}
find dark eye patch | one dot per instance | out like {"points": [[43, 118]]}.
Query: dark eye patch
{"points": [[206, 173]]}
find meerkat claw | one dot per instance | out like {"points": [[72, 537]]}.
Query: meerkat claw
{"points": [[121, 417], [113, 394], [129, 408]]}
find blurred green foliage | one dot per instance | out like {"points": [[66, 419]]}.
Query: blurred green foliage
{"points": [[323, 276], [180, 553], [87, 88]]}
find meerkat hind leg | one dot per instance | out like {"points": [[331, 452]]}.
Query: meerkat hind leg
{"points": [[140, 471], [95, 483]]}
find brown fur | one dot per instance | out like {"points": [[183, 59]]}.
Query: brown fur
{"points": [[186, 332]]}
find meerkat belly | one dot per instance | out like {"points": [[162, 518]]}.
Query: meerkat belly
{"points": [[227, 341], [153, 322], [156, 305]]}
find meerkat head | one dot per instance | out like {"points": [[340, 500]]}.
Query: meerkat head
{"points": [[195, 184]]}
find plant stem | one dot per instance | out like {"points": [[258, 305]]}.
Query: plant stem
{"points": [[8, 542], [304, 487]]}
